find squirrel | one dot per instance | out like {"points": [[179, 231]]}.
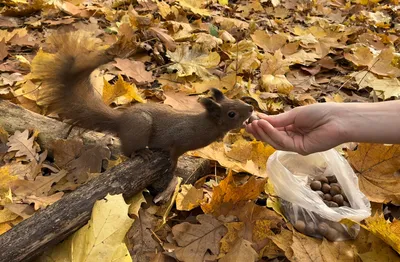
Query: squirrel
{"points": [[67, 90]]}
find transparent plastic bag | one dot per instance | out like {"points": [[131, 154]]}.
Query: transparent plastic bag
{"points": [[291, 175]]}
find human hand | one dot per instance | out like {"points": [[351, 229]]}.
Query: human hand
{"points": [[305, 130]]}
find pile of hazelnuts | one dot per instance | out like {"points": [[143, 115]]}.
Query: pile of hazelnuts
{"points": [[330, 191], [312, 224]]}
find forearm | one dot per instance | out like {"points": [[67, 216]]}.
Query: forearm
{"points": [[370, 122]]}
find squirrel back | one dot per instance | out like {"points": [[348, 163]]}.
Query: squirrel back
{"points": [[65, 76]]}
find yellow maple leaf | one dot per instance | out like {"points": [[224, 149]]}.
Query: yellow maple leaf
{"points": [[121, 92], [193, 61], [360, 56], [270, 43], [384, 229], [229, 192], [101, 239], [377, 167]]}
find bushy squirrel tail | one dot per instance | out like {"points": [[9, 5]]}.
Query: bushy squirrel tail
{"points": [[66, 88]]}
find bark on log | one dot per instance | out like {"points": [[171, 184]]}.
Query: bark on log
{"points": [[14, 117], [50, 226]]}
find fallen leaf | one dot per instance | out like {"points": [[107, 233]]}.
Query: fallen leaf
{"points": [[121, 92], [192, 61], [194, 6], [189, 198], [135, 70], [360, 56], [101, 239], [195, 239], [140, 241], [277, 83], [43, 201], [270, 43], [390, 87], [241, 251], [228, 192], [377, 166], [24, 145]]}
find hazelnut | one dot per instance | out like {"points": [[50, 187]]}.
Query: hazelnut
{"points": [[338, 199], [322, 179], [332, 179], [310, 228], [300, 226], [334, 190], [331, 203], [322, 228], [252, 118], [316, 185], [326, 188], [331, 234], [335, 184], [327, 197]]}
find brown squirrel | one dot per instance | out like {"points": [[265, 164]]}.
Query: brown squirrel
{"points": [[68, 91]]}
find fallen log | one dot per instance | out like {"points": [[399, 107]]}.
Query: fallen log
{"points": [[50, 226]]}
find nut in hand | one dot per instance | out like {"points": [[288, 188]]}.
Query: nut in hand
{"points": [[252, 118]]}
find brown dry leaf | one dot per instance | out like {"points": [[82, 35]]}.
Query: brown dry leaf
{"points": [[162, 34], [193, 61], [228, 82], [65, 150], [229, 23], [383, 64], [235, 231], [188, 198], [121, 92], [240, 251], [182, 101], [274, 64], [24, 145], [229, 192], [390, 87], [194, 6], [23, 210], [270, 43], [135, 70], [194, 240], [140, 239], [3, 50], [39, 187], [43, 201], [89, 161], [377, 166], [360, 56]]}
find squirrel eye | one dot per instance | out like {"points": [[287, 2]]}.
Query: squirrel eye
{"points": [[231, 114]]}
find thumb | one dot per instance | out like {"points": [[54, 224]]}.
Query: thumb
{"points": [[280, 120]]}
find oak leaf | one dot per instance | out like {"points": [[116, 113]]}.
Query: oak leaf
{"points": [[140, 241], [195, 239], [24, 145], [377, 166], [43, 201]]}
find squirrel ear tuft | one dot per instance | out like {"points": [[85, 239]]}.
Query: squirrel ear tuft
{"points": [[217, 94], [213, 108]]}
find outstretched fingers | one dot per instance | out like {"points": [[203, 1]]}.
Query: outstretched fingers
{"points": [[280, 120], [279, 139]]}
